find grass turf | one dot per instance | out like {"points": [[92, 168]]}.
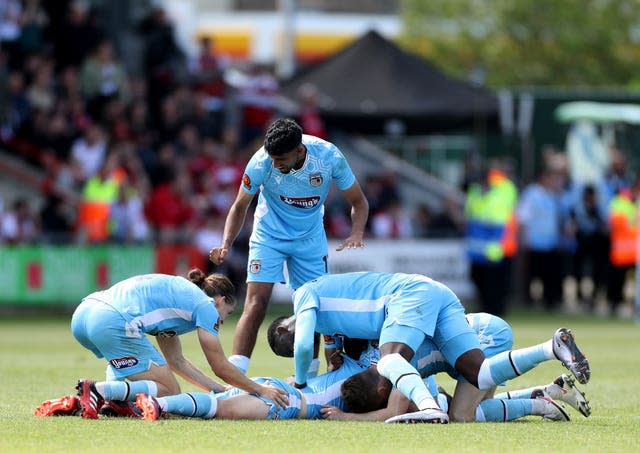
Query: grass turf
{"points": [[39, 359]]}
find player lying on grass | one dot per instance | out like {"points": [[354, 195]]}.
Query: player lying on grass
{"points": [[401, 311], [237, 404], [366, 390], [114, 324], [322, 397]]}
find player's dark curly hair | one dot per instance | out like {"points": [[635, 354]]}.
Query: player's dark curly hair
{"points": [[283, 135], [281, 345], [214, 285], [359, 394]]}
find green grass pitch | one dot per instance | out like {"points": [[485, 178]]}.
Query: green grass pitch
{"points": [[39, 359]]}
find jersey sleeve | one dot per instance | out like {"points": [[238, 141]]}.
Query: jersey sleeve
{"points": [[342, 173], [254, 172], [206, 317], [204, 313], [304, 299]]}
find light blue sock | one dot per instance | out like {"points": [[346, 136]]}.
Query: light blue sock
{"points": [[125, 390], [517, 394], [196, 404], [407, 380], [496, 410], [509, 364]]}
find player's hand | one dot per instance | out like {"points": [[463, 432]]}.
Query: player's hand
{"points": [[218, 254], [352, 242], [333, 413], [278, 396]]}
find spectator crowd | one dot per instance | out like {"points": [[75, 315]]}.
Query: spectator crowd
{"points": [[156, 156]]}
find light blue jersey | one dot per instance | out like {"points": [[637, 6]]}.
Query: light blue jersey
{"points": [[157, 303], [113, 323], [291, 206], [404, 308], [494, 334], [325, 389], [320, 391], [357, 304]]}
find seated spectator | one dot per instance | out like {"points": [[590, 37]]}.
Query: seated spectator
{"points": [[103, 78], [392, 222], [257, 97], [88, 153], [169, 210], [17, 225], [128, 223], [309, 115], [208, 75], [56, 220]]}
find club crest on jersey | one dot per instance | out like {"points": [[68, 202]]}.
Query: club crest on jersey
{"points": [[254, 266], [246, 181], [123, 362], [315, 179], [301, 202]]}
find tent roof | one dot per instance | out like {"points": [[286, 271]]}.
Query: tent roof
{"points": [[374, 77]]}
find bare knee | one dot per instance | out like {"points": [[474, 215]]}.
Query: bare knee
{"points": [[462, 415]]}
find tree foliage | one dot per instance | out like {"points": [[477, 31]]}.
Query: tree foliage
{"points": [[529, 42]]}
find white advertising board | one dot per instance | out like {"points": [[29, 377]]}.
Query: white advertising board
{"points": [[443, 260]]}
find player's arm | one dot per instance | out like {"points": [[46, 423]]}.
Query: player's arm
{"points": [[228, 372], [396, 405], [359, 215], [232, 226], [303, 346], [172, 350]]}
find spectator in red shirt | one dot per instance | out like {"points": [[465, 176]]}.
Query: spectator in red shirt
{"points": [[169, 211]]}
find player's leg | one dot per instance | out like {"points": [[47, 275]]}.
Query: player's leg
{"points": [[563, 389], [253, 314], [194, 404], [394, 365], [427, 309], [466, 399], [308, 260], [134, 364], [509, 364], [498, 410], [264, 268]]}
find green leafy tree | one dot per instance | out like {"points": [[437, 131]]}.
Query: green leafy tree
{"points": [[529, 42]]}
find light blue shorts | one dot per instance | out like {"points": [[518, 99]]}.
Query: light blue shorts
{"points": [[429, 310], [306, 259], [494, 333], [101, 329], [276, 412]]}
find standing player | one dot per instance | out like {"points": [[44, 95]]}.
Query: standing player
{"points": [[402, 310], [114, 324], [293, 173]]}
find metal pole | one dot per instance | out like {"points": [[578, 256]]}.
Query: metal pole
{"points": [[286, 61]]}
